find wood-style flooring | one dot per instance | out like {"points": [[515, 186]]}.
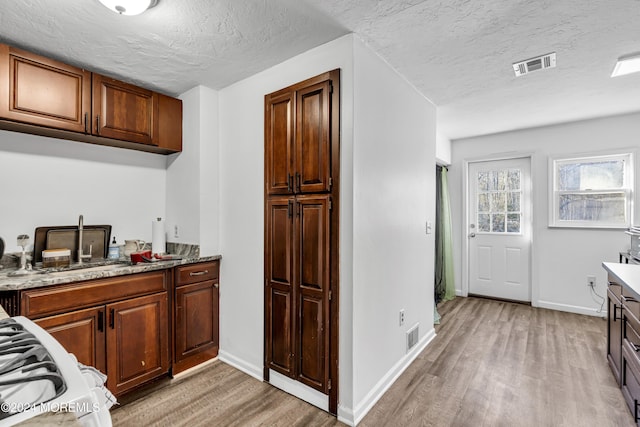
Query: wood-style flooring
{"points": [[492, 363]]}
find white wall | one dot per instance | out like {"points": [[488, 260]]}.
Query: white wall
{"points": [[443, 149], [46, 181], [241, 203], [394, 195], [192, 175], [562, 258], [387, 194]]}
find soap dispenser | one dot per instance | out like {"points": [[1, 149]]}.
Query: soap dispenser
{"points": [[114, 250]]}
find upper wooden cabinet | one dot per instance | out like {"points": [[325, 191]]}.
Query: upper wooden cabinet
{"points": [[298, 137], [46, 97], [42, 91], [124, 111]]}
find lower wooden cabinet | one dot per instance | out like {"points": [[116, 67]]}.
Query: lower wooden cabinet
{"points": [[137, 341], [125, 334], [196, 315], [81, 333], [134, 328], [614, 331]]}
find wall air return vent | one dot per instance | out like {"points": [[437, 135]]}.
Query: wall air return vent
{"points": [[534, 64]]}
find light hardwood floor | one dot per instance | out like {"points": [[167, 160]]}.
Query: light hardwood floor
{"points": [[492, 363]]}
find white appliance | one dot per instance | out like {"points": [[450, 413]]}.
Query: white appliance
{"points": [[37, 375]]}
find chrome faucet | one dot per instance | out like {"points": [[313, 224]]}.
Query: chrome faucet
{"points": [[81, 255]]}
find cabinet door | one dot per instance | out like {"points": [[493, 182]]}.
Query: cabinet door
{"points": [[123, 111], [43, 92], [81, 333], [614, 333], [313, 130], [137, 341], [196, 324], [280, 322], [169, 123], [312, 294], [279, 136]]}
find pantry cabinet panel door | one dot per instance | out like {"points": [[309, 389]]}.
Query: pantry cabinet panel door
{"points": [[80, 332], [312, 290], [43, 92], [137, 341], [279, 319], [279, 143], [313, 139]]}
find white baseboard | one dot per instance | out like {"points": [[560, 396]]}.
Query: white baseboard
{"points": [[240, 364], [570, 308], [364, 406], [299, 390]]}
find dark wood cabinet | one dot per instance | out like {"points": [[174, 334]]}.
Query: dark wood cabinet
{"points": [[279, 267], [42, 96], [298, 281], [137, 341], [120, 325], [43, 92], [302, 162], [614, 329], [169, 135], [123, 111], [298, 138], [82, 333], [196, 315]]}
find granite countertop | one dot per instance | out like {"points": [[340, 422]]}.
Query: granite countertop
{"points": [[39, 279], [626, 274]]}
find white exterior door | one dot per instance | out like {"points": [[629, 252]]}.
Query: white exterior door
{"points": [[499, 229]]}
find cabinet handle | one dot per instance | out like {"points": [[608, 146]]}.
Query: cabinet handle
{"points": [[86, 122], [100, 321], [635, 412], [111, 316], [290, 208], [198, 273], [298, 180], [636, 347], [615, 316], [98, 124], [627, 299]]}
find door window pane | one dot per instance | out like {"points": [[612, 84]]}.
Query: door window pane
{"points": [[484, 223], [499, 194], [497, 223], [513, 223]]}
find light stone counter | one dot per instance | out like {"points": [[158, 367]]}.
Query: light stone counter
{"points": [[625, 274], [39, 279]]}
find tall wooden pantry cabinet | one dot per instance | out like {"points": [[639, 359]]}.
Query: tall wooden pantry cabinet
{"points": [[302, 143]]}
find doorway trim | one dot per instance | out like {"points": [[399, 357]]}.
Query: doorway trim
{"points": [[533, 161]]}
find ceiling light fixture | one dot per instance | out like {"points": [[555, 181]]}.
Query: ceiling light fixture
{"points": [[129, 7], [626, 65]]}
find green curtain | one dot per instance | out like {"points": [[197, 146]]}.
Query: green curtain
{"points": [[444, 281]]}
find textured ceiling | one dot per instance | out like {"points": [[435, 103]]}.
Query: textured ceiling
{"points": [[458, 53]]}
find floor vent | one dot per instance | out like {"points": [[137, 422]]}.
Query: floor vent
{"points": [[534, 64], [412, 337]]}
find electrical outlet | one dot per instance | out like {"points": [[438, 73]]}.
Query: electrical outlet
{"points": [[591, 281], [175, 231], [428, 227], [402, 317]]}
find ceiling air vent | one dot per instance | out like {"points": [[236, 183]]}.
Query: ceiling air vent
{"points": [[534, 64]]}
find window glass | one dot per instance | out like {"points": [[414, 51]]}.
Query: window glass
{"points": [[592, 191]]}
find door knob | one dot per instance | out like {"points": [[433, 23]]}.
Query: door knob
{"points": [[472, 235]]}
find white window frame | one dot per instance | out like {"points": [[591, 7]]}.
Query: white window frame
{"points": [[627, 189]]}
